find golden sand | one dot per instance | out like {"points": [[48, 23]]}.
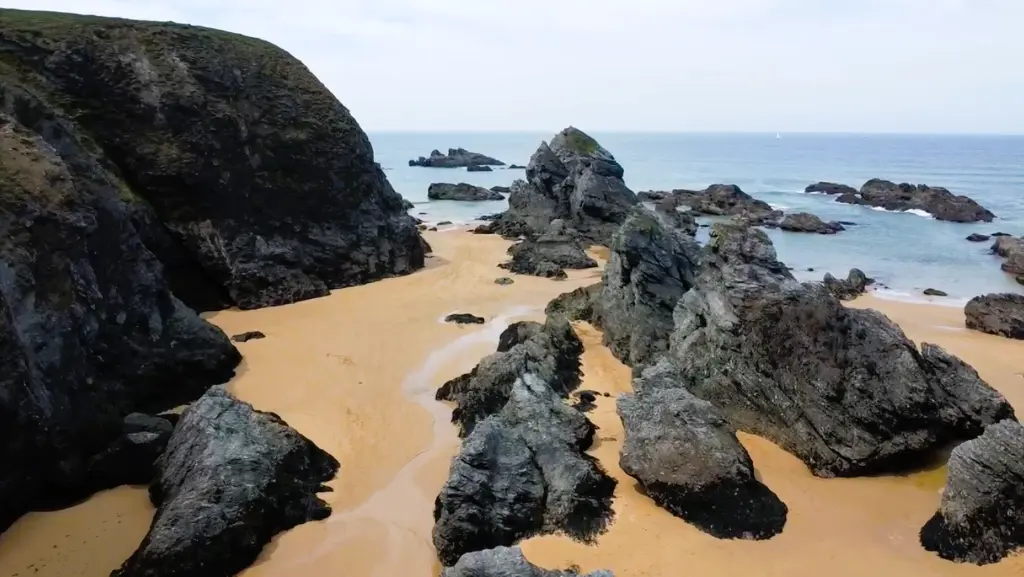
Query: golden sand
{"points": [[356, 372]]}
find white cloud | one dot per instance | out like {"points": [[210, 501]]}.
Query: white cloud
{"points": [[875, 65]]}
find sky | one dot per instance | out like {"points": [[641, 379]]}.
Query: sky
{"points": [[903, 66]]}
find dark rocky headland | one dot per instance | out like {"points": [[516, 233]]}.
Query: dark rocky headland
{"points": [[456, 158], [935, 200]]}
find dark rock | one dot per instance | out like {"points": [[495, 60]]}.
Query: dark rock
{"points": [[651, 266], [807, 222], [1001, 234], [501, 189], [519, 166], [427, 249], [830, 188], [523, 472], [855, 284], [656, 196], [89, 328], [975, 237], [688, 460], [1019, 278], [670, 214], [506, 562], [464, 319], [996, 314], [727, 200], [444, 223], [461, 191], [432, 229], [937, 201], [577, 305], [547, 255], [131, 458], [230, 479], [456, 157], [935, 292], [584, 401], [478, 168], [504, 281], [248, 336], [1011, 249], [406, 205], [251, 183], [573, 179], [843, 389], [550, 351], [981, 517], [846, 223]]}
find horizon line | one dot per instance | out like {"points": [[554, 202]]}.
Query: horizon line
{"points": [[694, 132]]}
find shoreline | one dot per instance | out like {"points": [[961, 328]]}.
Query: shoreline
{"points": [[355, 372]]}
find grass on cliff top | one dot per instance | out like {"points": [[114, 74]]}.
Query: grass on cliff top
{"points": [[581, 142]]}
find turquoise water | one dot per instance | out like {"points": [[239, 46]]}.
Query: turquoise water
{"points": [[906, 252]]}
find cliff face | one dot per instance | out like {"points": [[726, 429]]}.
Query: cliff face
{"points": [[143, 165], [263, 188]]}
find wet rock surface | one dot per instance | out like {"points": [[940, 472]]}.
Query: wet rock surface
{"points": [[688, 460], [855, 284], [248, 336], [975, 237], [464, 319], [981, 517], [461, 191], [727, 200], [830, 188], [573, 179], [936, 201], [230, 479], [522, 472], [479, 168], [843, 389], [506, 562], [1012, 249], [933, 292], [551, 351], [807, 222], [997, 314], [456, 158]]}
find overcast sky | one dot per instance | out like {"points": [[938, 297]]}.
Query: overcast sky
{"points": [[687, 65]]}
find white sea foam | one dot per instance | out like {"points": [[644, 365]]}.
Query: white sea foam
{"points": [[906, 297], [913, 211]]}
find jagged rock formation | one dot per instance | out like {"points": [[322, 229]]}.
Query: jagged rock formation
{"points": [[935, 200], [230, 479], [807, 222], [855, 284], [506, 562], [550, 351], [842, 389], [997, 314], [89, 328], [549, 254], [522, 471], [456, 158], [688, 460], [672, 216], [1012, 249], [573, 179], [981, 517], [461, 191], [727, 200], [830, 188], [242, 174], [131, 458]]}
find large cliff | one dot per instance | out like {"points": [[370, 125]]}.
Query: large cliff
{"points": [[145, 169]]}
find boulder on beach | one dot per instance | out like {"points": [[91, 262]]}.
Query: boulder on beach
{"points": [[996, 314], [461, 191], [478, 168], [830, 188], [855, 284], [551, 351], [523, 472], [248, 336], [456, 158], [981, 516], [843, 389], [549, 254], [231, 478], [807, 222], [573, 179], [464, 319], [688, 460], [936, 201], [506, 562]]}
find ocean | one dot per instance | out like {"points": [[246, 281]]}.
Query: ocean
{"points": [[905, 252]]}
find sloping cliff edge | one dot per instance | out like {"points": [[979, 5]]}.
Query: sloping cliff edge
{"points": [[148, 170]]}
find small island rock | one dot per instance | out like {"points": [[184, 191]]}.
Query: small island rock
{"points": [[456, 158], [461, 191]]}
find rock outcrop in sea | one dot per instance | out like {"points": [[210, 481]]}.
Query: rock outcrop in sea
{"points": [[935, 200], [687, 458], [981, 517], [522, 472], [550, 351], [1010, 248], [996, 314], [573, 179], [843, 389], [830, 188], [231, 478], [148, 170], [807, 222], [456, 158], [506, 562], [461, 191], [725, 200]]}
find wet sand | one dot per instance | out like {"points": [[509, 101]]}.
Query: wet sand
{"points": [[356, 372]]}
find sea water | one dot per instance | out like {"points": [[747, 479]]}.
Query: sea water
{"points": [[907, 252]]}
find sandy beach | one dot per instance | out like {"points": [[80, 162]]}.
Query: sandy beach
{"points": [[356, 373]]}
